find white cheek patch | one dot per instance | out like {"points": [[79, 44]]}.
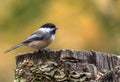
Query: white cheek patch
{"points": [[45, 29]]}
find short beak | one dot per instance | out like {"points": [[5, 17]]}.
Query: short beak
{"points": [[56, 28]]}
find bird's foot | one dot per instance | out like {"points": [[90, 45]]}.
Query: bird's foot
{"points": [[44, 49]]}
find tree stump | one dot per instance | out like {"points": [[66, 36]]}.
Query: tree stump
{"points": [[67, 66]]}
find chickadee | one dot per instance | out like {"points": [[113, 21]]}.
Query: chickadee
{"points": [[41, 38]]}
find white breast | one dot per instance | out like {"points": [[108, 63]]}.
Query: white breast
{"points": [[42, 43]]}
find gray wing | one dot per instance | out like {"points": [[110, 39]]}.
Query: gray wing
{"points": [[36, 36]]}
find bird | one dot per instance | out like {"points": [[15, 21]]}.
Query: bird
{"points": [[39, 39]]}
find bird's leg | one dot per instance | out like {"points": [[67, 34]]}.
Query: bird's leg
{"points": [[44, 49]]}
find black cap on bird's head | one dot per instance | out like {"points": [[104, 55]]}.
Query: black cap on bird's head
{"points": [[51, 26], [48, 25]]}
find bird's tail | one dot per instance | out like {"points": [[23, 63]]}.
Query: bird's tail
{"points": [[14, 47]]}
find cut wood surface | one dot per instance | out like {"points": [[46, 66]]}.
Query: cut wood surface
{"points": [[67, 66]]}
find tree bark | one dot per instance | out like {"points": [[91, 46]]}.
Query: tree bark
{"points": [[67, 66]]}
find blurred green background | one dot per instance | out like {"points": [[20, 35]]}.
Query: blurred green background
{"points": [[83, 25]]}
